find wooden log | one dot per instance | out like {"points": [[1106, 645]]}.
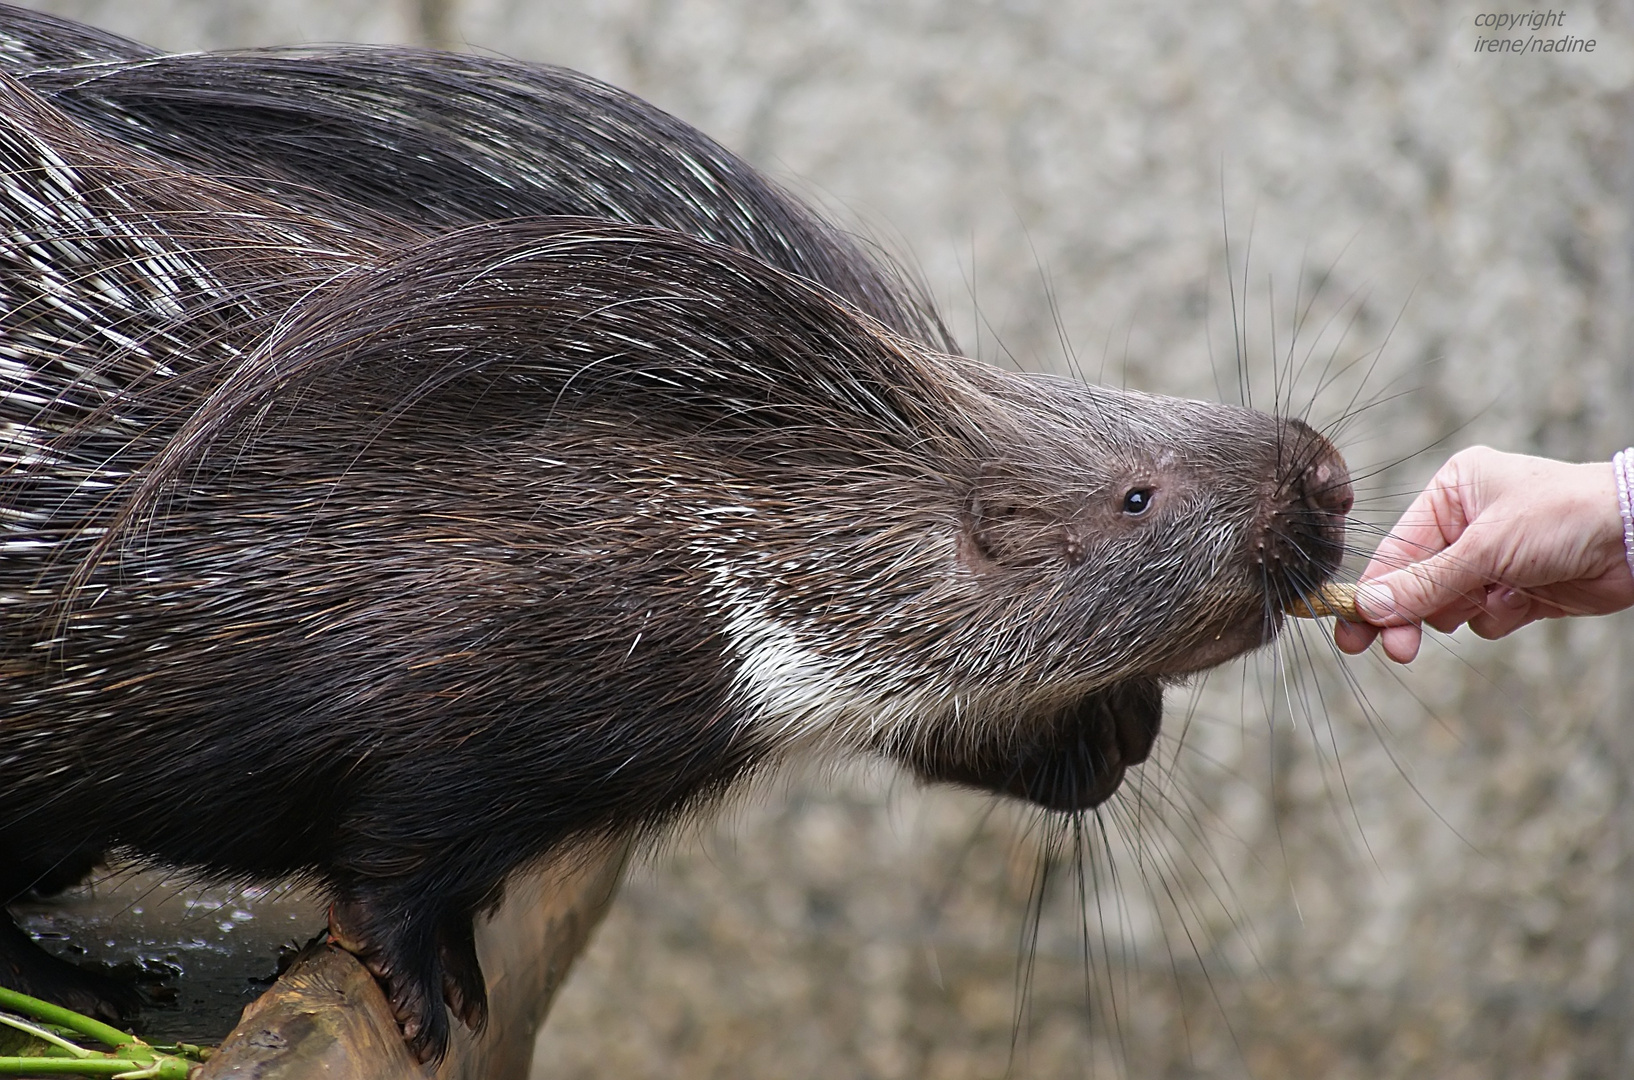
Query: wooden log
{"points": [[326, 1017]]}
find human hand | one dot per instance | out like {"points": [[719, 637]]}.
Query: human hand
{"points": [[1496, 540]]}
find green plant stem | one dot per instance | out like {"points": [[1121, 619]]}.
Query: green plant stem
{"points": [[44, 1035], [166, 1068], [36, 1009]]}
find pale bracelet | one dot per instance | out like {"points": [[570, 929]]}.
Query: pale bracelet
{"points": [[1623, 465]]}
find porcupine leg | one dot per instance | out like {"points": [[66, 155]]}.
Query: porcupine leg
{"points": [[464, 988], [422, 957], [29, 969]]}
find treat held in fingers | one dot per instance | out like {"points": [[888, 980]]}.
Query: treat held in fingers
{"points": [[1334, 600]]}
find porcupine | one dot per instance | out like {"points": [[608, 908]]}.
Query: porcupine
{"points": [[433, 548]]}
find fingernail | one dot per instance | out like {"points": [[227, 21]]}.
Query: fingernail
{"points": [[1375, 602], [1512, 599]]}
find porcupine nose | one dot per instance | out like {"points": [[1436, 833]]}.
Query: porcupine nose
{"points": [[1306, 534], [1324, 485]]}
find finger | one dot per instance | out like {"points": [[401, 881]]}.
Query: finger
{"points": [[1401, 549], [1453, 615], [1401, 642], [1352, 637], [1454, 579], [1421, 532], [1506, 611]]}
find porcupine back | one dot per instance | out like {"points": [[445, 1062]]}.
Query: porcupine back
{"points": [[34, 39], [442, 139], [126, 290]]}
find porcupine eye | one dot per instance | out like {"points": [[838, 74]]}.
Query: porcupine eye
{"points": [[1136, 501]]}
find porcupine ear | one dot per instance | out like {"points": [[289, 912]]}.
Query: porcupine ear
{"points": [[1009, 524], [1072, 759]]}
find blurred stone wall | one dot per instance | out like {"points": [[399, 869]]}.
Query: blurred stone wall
{"points": [[1337, 870]]}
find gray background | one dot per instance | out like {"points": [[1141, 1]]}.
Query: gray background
{"points": [[1336, 870]]}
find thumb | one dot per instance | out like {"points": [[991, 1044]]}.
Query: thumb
{"points": [[1414, 592]]}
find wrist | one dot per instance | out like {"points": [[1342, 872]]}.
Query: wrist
{"points": [[1622, 466]]}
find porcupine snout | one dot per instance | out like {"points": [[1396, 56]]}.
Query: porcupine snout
{"points": [[1302, 539]]}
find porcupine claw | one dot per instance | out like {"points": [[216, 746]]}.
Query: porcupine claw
{"points": [[386, 939]]}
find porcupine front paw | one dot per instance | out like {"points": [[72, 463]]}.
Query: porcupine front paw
{"points": [[420, 961], [464, 988]]}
